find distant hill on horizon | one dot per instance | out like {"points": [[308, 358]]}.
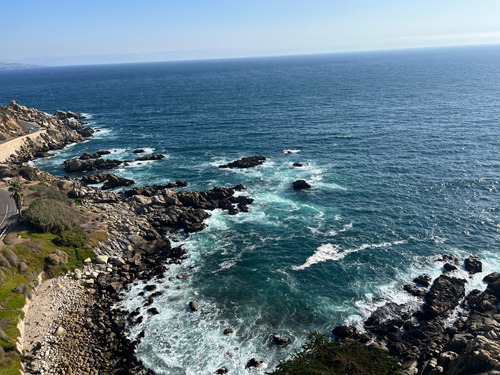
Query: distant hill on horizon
{"points": [[4, 65]]}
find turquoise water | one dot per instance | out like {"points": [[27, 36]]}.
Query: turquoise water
{"points": [[403, 155]]}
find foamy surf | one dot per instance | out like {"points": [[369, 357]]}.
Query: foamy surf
{"points": [[331, 252], [288, 152]]}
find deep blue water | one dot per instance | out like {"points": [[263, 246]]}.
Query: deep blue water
{"points": [[403, 153]]}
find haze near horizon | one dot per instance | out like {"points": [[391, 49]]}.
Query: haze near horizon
{"points": [[57, 32]]}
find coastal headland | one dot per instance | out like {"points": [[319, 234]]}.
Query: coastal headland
{"points": [[69, 322]]}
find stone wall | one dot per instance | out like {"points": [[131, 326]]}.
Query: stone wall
{"points": [[13, 146]]}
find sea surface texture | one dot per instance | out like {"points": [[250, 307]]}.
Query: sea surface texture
{"points": [[402, 150]]}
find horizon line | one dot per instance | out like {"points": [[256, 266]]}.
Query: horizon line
{"points": [[34, 66]]}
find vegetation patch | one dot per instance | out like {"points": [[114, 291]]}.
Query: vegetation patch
{"points": [[322, 356], [51, 215]]}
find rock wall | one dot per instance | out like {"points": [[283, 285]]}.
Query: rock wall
{"points": [[13, 146]]}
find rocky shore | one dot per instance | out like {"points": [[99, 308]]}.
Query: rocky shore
{"points": [[452, 333], [74, 327]]}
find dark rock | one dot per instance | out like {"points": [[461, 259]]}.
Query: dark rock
{"points": [[181, 183], [85, 132], [444, 296], [151, 157], [76, 165], [473, 265], [423, 280], [414, 290], [103, 152], [113, 181], [228, 331], [153, 311], [138, 151], [62, 115], [193, 306], [491, 277], [280, 341], [239, 187], [349, 332], [300, 165], [449, 267], [254, 363], [221, 371], [246, 162], [88, 155], [300, 184]]}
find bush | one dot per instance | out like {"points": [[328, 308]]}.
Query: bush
{"points": [[51, 215], [11, 257], [73, 237], [43, 190], [324, 357]]}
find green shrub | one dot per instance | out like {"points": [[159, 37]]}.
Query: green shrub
{"points": [[46, 191], [11, 257], [324, 357], [74, 237], [51, 215]]}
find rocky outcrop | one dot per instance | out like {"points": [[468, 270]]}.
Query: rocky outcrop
{"points": [[94, 155], [151, 157], [43, 132], [300, 185], [247, 162], [77, 165], [151, 190], [424, 341], [68, 115]]}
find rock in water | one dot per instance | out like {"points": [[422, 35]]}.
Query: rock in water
{"points": [[300, 184], [193, 306], [473, 265], [247, 162], [151, 157], [254, 363]]}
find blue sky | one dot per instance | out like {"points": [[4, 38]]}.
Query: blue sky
{"points": [[60, 32]]}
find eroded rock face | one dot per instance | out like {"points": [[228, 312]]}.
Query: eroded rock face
{"points": [[247, 162]]}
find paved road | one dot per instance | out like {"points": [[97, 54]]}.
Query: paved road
{"points": [[8, 212], [32, 128]]}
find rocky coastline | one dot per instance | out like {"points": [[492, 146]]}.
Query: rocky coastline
{"points": [[85, 334], [451, 333]]}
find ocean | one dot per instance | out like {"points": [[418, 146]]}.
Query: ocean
{"points": [[401, 148]]}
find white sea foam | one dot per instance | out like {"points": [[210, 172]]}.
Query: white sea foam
{"points": [[331, 252], [291, 151]]}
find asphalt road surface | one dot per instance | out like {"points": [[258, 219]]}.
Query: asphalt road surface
{"points": [[8, 211]]}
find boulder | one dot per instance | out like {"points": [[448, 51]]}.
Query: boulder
{"points": [[193, 306], [300, 165], [113, 182], [423, 280], [77, 165], [170, 197], [473, 265], [246, 162], [300, 184], [151, 157], [280, 341], [254, 363], [138, 151], [228, 331], [102, 259], [60, 331], [449, 267], [57, 258]]}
